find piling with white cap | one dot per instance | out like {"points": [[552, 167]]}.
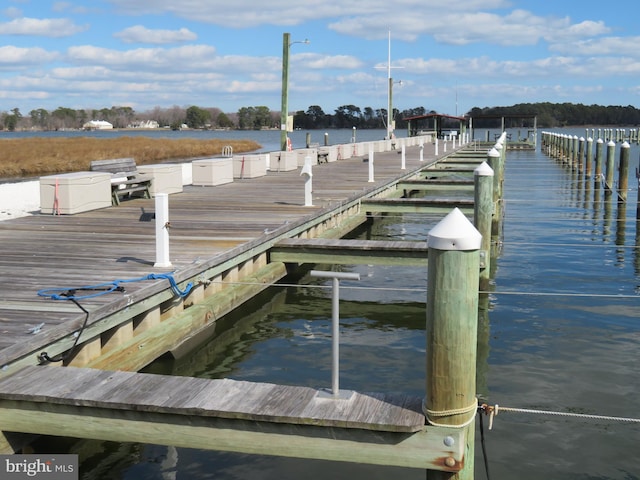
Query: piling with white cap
{"points": [[451, 327]]}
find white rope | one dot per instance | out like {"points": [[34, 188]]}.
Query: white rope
{"points": [[423, 290], [493, 411], [448, 413]]}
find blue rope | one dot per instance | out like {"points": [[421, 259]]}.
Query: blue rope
{"points": [[108, 287]]}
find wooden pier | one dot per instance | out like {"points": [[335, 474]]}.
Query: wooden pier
{"points": [[228, 243]]}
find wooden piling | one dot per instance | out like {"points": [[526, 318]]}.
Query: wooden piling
{"points": [[581, 147], [451, 331], [574, 152], [611, 157], [493, 159], [588, 162], [483, 216], [623, 171], [599, 159]]}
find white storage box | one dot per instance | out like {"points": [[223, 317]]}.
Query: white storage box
{"points": [[75, 192], [307, 152], [249, 166], [283, 161], [166, 177], [212, 171]]}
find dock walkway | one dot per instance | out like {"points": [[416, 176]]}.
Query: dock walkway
{"points": [[220, 237], [209, 226]]}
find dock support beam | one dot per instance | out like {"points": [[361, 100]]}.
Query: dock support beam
{"points": [[451, 331]]}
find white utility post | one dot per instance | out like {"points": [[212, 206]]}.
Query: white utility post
{"points": [[162, 231], [335, 327]]}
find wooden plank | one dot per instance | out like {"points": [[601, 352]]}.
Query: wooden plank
{"points": [[416, 205], [349, 252], [83, 387], [437, 185]]}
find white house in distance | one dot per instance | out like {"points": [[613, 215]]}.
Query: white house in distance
{"points": [[97, 125]]}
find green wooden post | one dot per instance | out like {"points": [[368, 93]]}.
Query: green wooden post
{"points": [[493, 159], [623, 171], [611, 158], [599, 158], [581, 155], [574, 152], [589, 159], [284, 107], [499, 170], [452, 332], [482, 217]]}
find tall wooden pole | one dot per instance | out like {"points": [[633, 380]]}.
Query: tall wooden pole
{"points": [[451, 332], [284, 107]]}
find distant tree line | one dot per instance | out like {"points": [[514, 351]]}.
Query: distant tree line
{"points": [[345, 116], [557, 115]]}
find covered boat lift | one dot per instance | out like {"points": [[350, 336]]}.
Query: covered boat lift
{"points": [[436, 124]]}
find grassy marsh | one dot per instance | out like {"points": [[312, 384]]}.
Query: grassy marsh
{"points": [[31, 157]]}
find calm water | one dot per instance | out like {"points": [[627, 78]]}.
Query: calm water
{"points": [[561, 333]]}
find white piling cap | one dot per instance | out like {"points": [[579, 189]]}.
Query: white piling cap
{"points": [[483, 170], [625, 145], [454, 232], [493, 153]]}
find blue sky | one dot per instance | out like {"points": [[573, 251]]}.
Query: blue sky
{"points": [[450, 55]]}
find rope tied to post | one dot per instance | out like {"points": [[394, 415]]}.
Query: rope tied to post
{"points": [[430, 414], [492, 411]]}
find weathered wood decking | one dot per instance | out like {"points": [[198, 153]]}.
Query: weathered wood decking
{"points": [[211, 227], [225, 398], [219, 235]]}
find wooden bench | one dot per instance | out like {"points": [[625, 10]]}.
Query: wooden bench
{"points": [[323, 156], [125, 179]]}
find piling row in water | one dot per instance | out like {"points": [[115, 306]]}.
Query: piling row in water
{"points": [[578, 154]]}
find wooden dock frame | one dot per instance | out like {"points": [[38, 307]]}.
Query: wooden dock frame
{"points": [[227, 415], [151, 326]]}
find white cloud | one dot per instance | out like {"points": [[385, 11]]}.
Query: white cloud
{"points": [[50, 27], [12, 12], [190, 57], [600, 46], [12, 58], [141, 34]]}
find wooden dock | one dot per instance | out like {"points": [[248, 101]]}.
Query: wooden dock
{"points": [[227, 244]]}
